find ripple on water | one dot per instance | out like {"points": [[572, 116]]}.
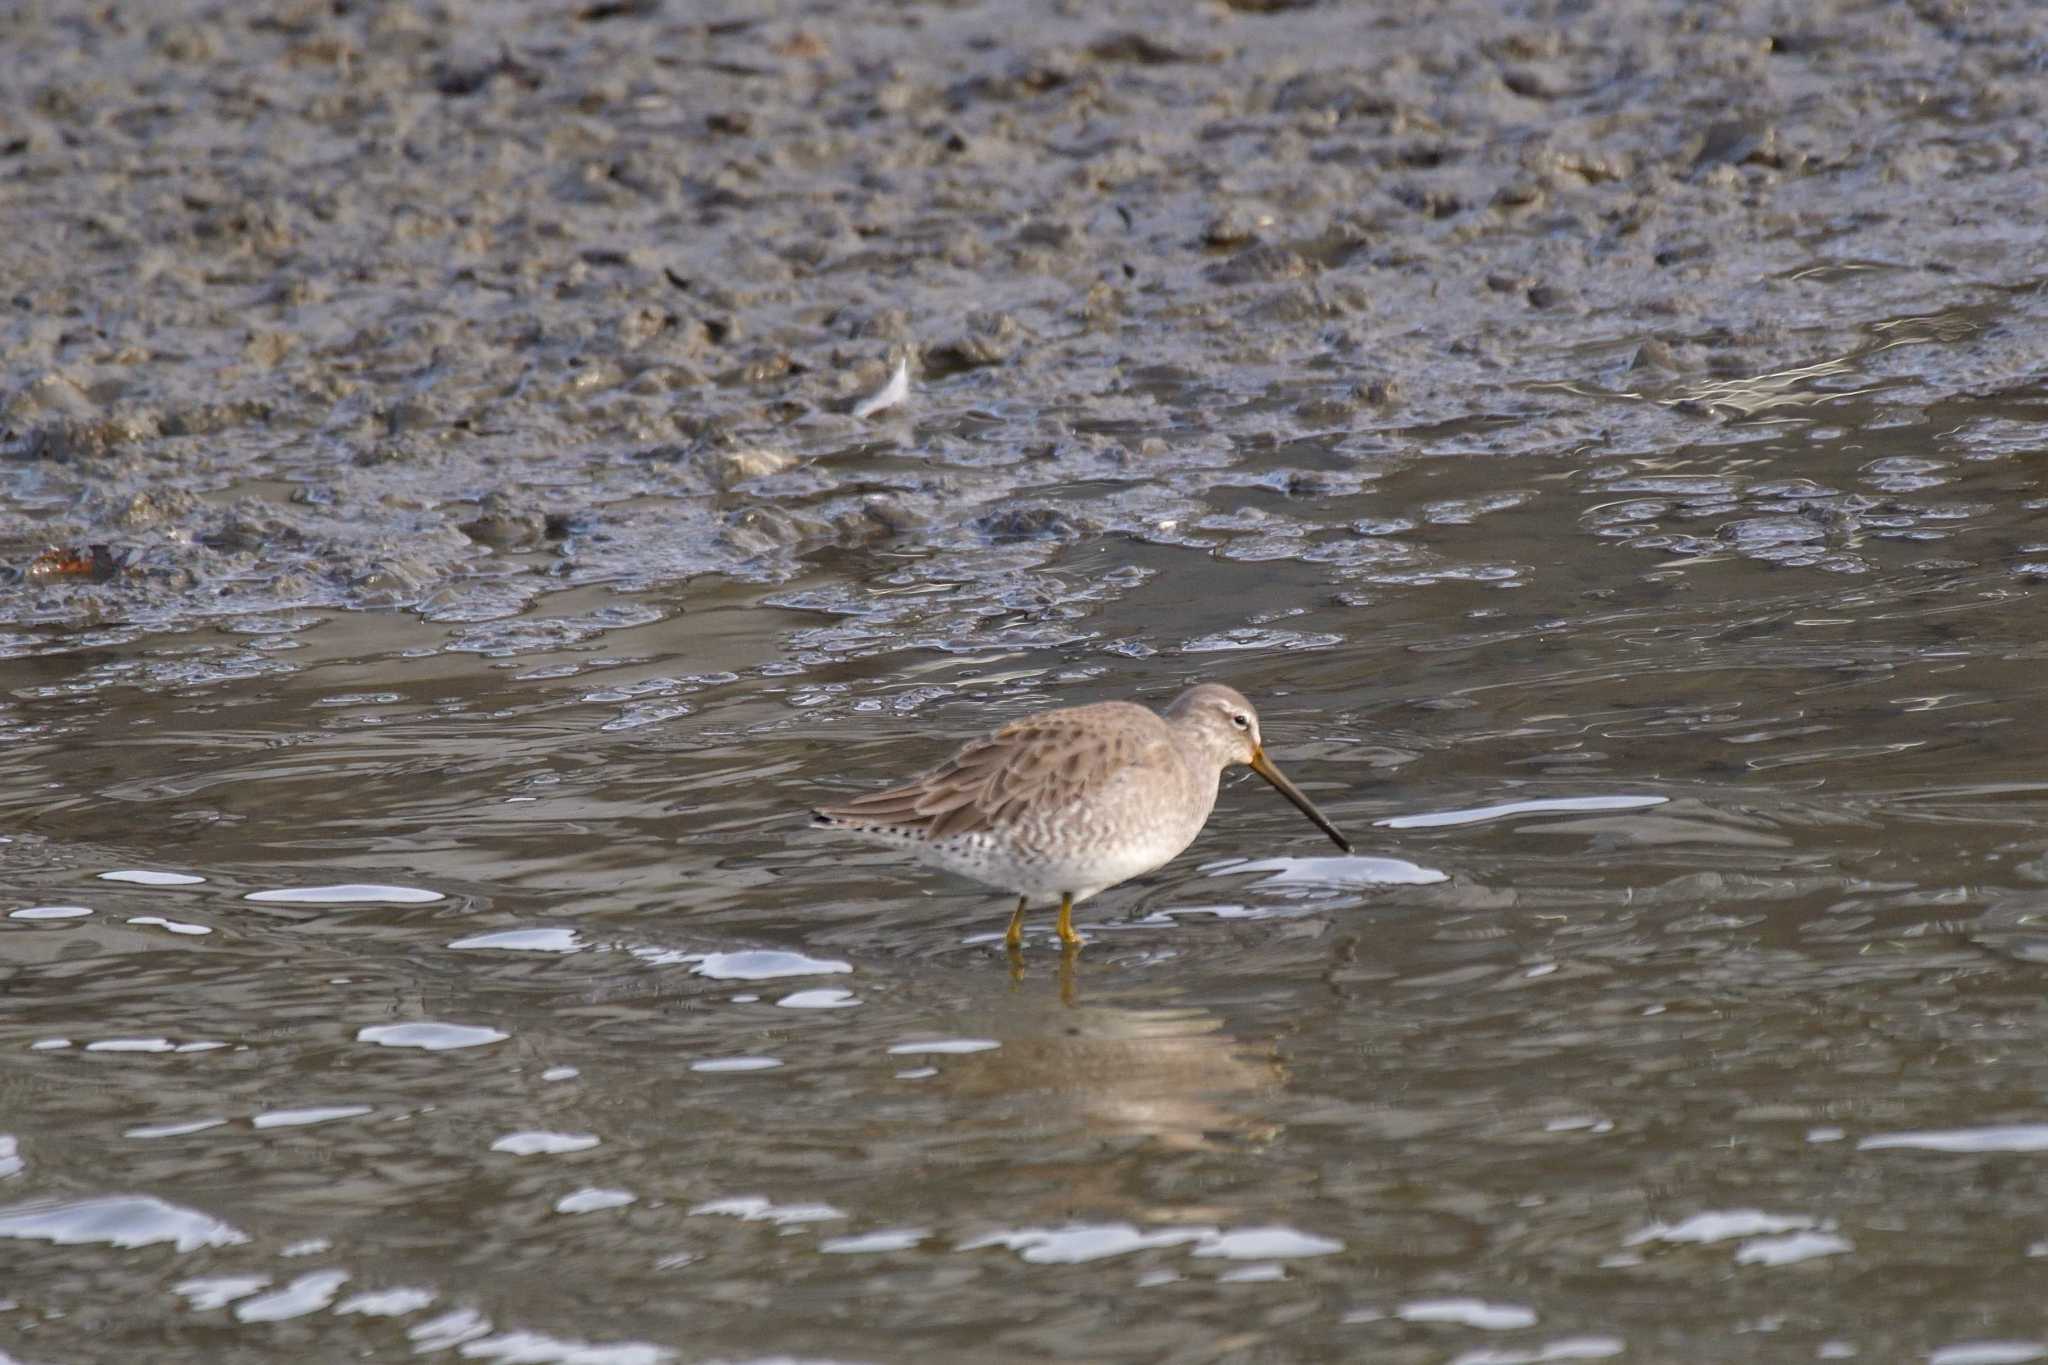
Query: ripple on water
{"points": [[1990, 1353], [144, 877], [730, 1064], [152, 1045], [303, 1118], [1547, 806], [118, 1220], [1565, 1348], [347, 893], [2011, 1137], [430, 1036], [525, 941]]}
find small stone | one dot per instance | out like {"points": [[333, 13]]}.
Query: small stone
{"points": [[504, 523], [75, 439], [1654, 355], [1377, 393], [1025, 523], [749, 462], [1263, 263], [992, 339], [1236, 226]]}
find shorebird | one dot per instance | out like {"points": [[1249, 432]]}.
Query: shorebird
{"points": [[1068, 803]]}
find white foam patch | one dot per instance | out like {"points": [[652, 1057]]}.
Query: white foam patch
{"points": [[37, 912], [525, 941], [1342, 871], [1260, 1272], [209, 1292], [944, 1046], [1565, 1348], [764, 964], [1169, 914], [132, 1045], [1720, 1226], [2014, 1137], [1791, 1248], [592, 1200], [302, 1118], [537, 1143], [175, 926], [1989, 1353], [1560, 805], [824, 999], [451, 1328], [535, 1348], [307, 1294], [147, 1131], [1488, 1317], [1266, 1244], [730, 1064], [347, 893], [117, 1220], [430, 1036], [1078, 1243], [387, 1303], [142, 877], [755, 1208], [872, 1243]]}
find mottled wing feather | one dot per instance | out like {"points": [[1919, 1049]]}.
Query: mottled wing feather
{"points": [[1041, 762]]}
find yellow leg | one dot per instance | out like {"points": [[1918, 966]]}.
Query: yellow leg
{"points": [[1015, 936], [1066, 924]]}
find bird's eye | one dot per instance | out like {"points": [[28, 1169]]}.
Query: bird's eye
{"points": [[1241, 721]]}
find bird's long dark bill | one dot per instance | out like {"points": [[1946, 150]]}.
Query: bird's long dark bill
{"points": [[1263, 766]]}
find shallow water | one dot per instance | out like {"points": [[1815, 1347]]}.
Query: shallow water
{"points": [[410, 942]]}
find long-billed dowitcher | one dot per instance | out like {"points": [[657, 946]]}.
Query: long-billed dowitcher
{"points": [[1071, 802]]}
